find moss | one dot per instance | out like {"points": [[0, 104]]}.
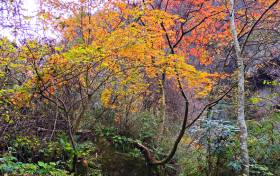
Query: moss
{"points": [[129, 157], [115, 163], [82, 168], [92, 165]]}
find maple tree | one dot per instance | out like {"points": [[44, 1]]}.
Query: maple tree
{"points": [[111, 55], [141, 50], [110, 51], [99, 56]]}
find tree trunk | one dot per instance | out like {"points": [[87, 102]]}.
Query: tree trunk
{"points": [[241, 117], [76, 125], [162, 114]]}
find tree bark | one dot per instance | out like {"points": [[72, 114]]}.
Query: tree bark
{"points": [[241, 116], [76, 125], [162, 116]]}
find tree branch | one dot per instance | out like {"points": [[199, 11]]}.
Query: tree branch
{"points": [[254, 25]]}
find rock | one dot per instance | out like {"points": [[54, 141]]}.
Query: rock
{"points": [[82, 168], [115, 163]]}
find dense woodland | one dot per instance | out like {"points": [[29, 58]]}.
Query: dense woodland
{"points": [[140, 87]]}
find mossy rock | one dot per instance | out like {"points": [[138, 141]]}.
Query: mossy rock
{"points": [[82, 168], [92, 165], [114, 163]]}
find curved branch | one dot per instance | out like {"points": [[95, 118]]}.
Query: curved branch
{"points": [[184, 125], [181, 134], [213, 103]]}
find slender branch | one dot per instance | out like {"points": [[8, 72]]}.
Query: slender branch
{"points": [[54, 126], [181, 86], [213, 103], [184, 126], [254, 25], [182, 132], [168, 39], [186, 32]]}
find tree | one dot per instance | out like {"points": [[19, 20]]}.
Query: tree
{"points": [[240, 59], [241, 115], [88, 67], [108, 58]]}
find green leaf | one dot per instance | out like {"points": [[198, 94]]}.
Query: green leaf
{"points": [[156, 156], [40, 163], [57, 48], [255, 100], [7, 118]]}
